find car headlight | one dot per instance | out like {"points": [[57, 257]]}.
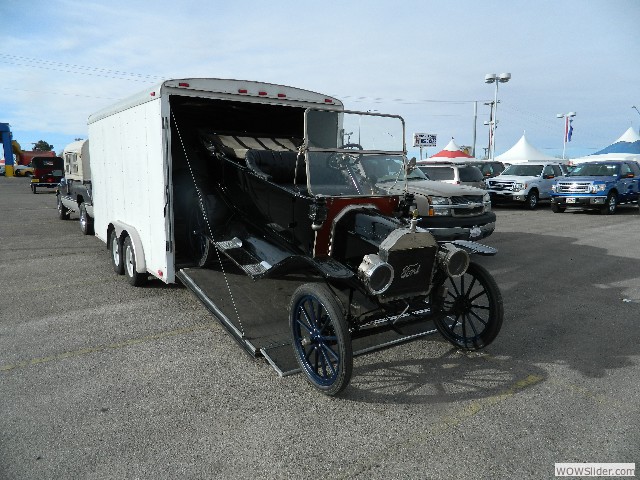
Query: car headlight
{"points": [[519, 186], [554, 188], [439, 206], [598, 187], [486, 200]]}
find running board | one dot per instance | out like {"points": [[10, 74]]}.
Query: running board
{"points": [[241, 257]]}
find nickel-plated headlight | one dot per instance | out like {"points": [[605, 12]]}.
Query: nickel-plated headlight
{"points": [[454, 261], [375, 273]]}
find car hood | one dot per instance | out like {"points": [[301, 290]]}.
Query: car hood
{"points": [[512, 178], [589, 179], [431, 187]]}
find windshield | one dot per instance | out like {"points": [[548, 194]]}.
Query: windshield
{"points": [[349, 153], [594, 170], [523, 170]]}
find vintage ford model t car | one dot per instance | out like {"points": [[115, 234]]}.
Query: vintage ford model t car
{"points": [[291, 219], [317, 206]]}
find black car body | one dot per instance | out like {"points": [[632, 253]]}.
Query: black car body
{"points": [[47, 172]]}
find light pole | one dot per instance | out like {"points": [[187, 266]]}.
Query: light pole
{"points": [[493, 78], [567, 129]]}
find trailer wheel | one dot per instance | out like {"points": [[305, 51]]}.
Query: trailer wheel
{"points": [[115, 253], [136, 279], [63, 212], [321, 341], [472, 310], [86, 222]]}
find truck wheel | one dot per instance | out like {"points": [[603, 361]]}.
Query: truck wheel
{"points": [[136, 279], [63, 212], [531, 201], [115, 253], [472, 311], [33, 189], [320, 337], [555, 208], [86, 222], [610, 205]]}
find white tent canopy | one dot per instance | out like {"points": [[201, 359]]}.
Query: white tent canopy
{"points": [[523, 151]]}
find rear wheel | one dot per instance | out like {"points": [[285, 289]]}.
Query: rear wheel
{"points": [[134, 277], [115, 253], [472, 310], [63, 212], [321, 341], [33, 188], [610, 205], [86, 222]]}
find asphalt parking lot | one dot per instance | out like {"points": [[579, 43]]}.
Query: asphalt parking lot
{"points": [[102, 380]]}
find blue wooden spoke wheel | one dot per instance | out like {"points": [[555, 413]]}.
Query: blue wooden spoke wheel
{"points": [[472, 310], [320, 337]]}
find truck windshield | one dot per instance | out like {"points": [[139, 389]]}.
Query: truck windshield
{"points": [[523, 170], [349, 153], [594, 170]]}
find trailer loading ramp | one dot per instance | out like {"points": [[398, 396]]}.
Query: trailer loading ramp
{"points": [[256, 314]]}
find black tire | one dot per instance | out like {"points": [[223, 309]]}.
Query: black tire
{"points": [[555, 208], [86, 222], [115, 253], [611, 205], [63, 212], [134, 278], [531, 202], [472, 309], [33, 188], [199, 228], [320, 337]]}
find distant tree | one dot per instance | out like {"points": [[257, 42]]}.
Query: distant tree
{"points": [[42, 146]]}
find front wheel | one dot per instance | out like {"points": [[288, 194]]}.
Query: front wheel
{"points": [[531, 201], [134, 277], [33, 189], [555, 208], [320, 336], [610, 205], [472, 309]]}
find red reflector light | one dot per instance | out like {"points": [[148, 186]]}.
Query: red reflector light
{"points": [[328, 100], [282, 95], [242, 90], [160, 273], [262, 94], [153, 94], [183, 84]]}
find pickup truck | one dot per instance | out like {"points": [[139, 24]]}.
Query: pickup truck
{"points": [[601, 185], [525, 183], [74, 192]]}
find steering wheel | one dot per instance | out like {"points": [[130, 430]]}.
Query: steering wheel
{"points": [[340, 161]]}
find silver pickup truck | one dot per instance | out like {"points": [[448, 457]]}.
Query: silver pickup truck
{"points": [[525, 183]]}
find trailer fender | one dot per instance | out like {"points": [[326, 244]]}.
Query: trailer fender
{"points": [[124, 230]]}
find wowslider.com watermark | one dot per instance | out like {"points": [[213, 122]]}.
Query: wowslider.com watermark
{"points": [[595, 469]]}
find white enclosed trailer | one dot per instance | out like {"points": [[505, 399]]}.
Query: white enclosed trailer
{"points": [[139, 146]]}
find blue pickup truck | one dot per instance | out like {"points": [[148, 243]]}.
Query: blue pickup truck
{"points": [[599, 185]]}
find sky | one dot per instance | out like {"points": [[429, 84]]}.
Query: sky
{"points": [[62, 60]]}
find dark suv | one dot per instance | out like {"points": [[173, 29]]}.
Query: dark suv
{"points": [[47, 172]]}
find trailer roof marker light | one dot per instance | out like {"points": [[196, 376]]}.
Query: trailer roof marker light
{"points": [[328, 100], [183, 84], [243, 90], [262, 94], [282, 95], [153, 94]]}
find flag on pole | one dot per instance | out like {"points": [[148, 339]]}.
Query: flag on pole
{"points": [[568, 129]]}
